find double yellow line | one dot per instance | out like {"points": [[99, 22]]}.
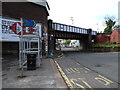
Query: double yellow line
{"points": [[67, 81]]}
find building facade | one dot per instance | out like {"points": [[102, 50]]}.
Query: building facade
{"points": [[37, 11], [115, 36], [102, 38]]}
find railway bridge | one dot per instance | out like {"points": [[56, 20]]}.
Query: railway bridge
{"points": [[62, 31]]}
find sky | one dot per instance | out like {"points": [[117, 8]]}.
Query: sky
{"points": [[85, 13]]}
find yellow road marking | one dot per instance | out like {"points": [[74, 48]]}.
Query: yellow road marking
{"points": [[87, 69], [103, 80], [79, 85], [86, 83], [68, 82], [68, 70], [77, 63], [72, 69], [77, 70], [72, 80], [106, 82], [100, 78]]}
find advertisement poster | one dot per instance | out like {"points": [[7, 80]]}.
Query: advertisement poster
{"points": [[6, 33], [11, 29]]}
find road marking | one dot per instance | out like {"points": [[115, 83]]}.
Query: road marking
{"points": [[103, 80], [68, 82], [68, 70], [79, 85], [87, 69], [77, 63], [72, 80], [86, 83], [72, 69], [77, 70]]}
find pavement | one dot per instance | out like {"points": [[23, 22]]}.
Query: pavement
{"points": [[47, 76]]}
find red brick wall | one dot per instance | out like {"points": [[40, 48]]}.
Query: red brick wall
{"points": [[115, 36], [103, 38]]}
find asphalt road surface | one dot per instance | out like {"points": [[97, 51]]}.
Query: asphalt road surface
{"points": [[91, 70]]}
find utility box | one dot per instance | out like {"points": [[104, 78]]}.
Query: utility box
{"points": [[31, 61]]}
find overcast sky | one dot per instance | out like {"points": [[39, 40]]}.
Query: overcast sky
{"points": [[85, 13]]}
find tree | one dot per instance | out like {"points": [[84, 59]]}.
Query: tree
{"points": [[67, 42], [109, 21]]}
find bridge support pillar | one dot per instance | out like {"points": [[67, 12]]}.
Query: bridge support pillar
{"points": [[89, 39], [51, 39], [83, 45], [51, 44], [54, 44], [86, 43]]}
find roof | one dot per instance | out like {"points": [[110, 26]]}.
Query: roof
{"points": [[41, 2]]}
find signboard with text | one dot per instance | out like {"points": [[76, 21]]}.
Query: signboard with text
{"points": [[11, 29]]}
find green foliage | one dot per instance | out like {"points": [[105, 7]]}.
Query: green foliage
{"points": [[67, 42], [107, 44], [109, 24], [107, 30]]}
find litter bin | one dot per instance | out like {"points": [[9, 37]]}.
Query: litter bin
{"points": [[31, 61]]}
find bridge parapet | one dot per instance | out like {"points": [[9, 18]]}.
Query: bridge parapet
{"points": [[69, 28]]}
